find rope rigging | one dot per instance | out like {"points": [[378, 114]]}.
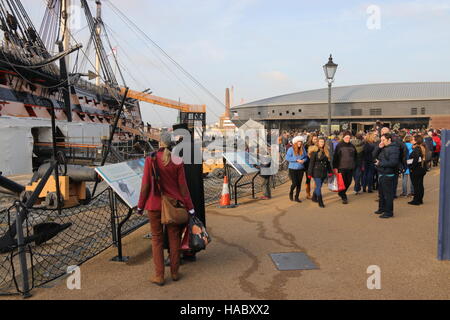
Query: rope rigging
{"points": [[147, 37]]}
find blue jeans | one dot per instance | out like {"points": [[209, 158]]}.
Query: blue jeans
{"points": [[406, 179], [367, 176], [357, 175], [319, 182]]}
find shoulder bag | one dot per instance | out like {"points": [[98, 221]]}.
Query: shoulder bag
{"points": [[172, 210]]}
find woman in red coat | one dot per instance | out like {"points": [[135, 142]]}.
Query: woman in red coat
{"points": [[172, 181], [437, 149]]}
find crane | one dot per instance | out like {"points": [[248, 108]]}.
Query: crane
{"points": [[150, 98]]}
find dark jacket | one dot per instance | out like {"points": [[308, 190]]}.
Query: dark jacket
{"points": [[319, 165], [429, 143], [402, 153], [359, 146], [389, 158], [418, 160], [344, 156], [368, 153]]}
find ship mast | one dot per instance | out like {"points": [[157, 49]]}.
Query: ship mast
{"points": [[65, 26], [98, 30]]}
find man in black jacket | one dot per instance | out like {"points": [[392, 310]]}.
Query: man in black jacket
{"points": [[345, 161], [387, 163], [403, 152]]}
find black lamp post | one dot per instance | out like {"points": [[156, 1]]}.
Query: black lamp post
{"points": [[330, 70]]}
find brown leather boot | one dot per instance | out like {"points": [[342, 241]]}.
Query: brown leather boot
{"points": [[157, 280], [308, 191], [175, 276]]}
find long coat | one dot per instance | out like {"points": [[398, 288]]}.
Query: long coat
{"points": [[172, 181], [319, 166]]}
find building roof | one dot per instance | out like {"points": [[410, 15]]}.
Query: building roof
{"points": [[362, 93]]}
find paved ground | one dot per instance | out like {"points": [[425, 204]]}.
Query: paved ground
{"points": [[342, 239]]}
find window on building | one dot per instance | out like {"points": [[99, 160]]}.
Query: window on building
{"points": [[273, 111], [423, 110], [281, 114], [259, 113], [293, 113], [299, 110], [287, 111], [375, 112], [356, 112], [413, 111]]}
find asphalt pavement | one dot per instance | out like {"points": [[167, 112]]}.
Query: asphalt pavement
{"points": [[342, 240]]}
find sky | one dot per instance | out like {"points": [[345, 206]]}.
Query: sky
{"points": [[265, 48]]}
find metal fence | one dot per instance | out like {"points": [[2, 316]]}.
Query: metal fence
{"points": [[93, 228]]}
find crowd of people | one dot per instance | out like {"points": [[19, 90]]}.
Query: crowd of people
{"points": [[373, 160]]}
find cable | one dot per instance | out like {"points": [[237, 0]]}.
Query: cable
{"points": [[167, 55], [189, 90]]}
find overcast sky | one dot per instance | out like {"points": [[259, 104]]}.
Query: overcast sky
{"points": [[266, 48]]}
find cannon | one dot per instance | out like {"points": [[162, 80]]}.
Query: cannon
{"points": [[72, 185]]}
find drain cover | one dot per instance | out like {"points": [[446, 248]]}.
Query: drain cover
{"points": [[292, 261]]}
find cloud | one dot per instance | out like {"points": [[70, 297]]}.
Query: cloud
{"points": [[276, 76]]}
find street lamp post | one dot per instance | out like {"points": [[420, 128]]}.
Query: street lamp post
{"points": [[330, 70]]}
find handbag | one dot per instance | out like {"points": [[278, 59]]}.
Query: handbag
{"points": [[198, 236], [333, 183], [172, 210], [340, 181], [185, 240]]}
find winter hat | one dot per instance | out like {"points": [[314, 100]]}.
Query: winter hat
{"points": [[298, 139]]}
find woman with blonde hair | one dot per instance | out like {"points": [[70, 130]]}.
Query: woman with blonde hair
{"points": [[311, 142], [297, 157], [319, 168], [164, 174]]}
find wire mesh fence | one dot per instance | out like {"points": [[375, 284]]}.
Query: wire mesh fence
{"points": [[84, 232], [89, 232]]}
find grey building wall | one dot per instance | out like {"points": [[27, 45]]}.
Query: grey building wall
{"points": [[344, 110]]}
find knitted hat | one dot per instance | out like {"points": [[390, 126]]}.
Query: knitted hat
{"points": [[298, 139]]}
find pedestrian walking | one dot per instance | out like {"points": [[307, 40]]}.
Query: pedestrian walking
{"points": [[387, 162], [368, 164], [418, 168], [319, 169], [358, 142], [311, 142], [345, 160], [297, 157]]}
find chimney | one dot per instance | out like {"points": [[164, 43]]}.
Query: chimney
{"points": [[227, 103], [232, 97]]}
